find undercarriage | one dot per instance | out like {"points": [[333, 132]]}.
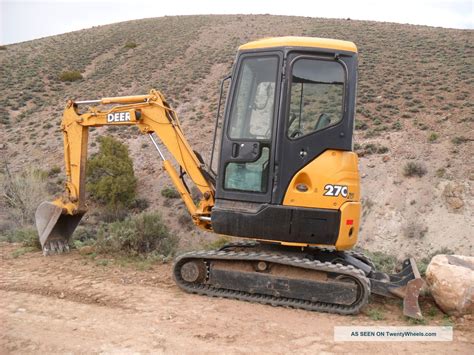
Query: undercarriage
{"points": [[315, 279]]}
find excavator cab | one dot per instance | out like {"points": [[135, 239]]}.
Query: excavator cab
{"points": [[286, 167], [287, 178]]}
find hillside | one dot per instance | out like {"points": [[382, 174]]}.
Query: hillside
{"points": [[415, 104]]}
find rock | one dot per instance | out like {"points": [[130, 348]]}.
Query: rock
{"points": [[451, 282], [453, 196], [455, 202], [385, 158], [86, 250]]}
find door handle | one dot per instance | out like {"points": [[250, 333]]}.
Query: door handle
{"points": [[235, 150]]}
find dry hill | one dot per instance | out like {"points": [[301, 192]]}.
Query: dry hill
{"points": [[414, 117]]}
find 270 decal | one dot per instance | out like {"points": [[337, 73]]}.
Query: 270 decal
{"points": [[336, 190]]}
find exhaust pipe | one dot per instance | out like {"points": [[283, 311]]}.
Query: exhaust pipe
{"points": [[55, 227]]}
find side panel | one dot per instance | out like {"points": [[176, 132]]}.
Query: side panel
{"points": [[328, 181], [310, 217]]}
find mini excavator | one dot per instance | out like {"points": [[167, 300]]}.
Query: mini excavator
{"points": [[286, 183]]}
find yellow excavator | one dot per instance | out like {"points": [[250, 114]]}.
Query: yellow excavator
{"points": [[287, 181]]}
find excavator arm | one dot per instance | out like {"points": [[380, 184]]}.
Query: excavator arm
{"points": [[57, 220]]}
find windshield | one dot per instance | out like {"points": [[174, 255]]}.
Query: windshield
{"points": [[317, 96]]}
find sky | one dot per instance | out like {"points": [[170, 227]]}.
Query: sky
{"points": [[23, 20]]}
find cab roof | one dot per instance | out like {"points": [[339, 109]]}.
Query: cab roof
{"points": [[291, 41]]}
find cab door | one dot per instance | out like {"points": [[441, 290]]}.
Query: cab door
{"points": [[247, 150]]}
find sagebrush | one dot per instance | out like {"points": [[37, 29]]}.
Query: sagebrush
{"points": [[72, 75], [21, 194], [413, 168], [138, 235]]}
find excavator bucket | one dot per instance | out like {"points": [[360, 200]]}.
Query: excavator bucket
{"points": [[55, 227]]}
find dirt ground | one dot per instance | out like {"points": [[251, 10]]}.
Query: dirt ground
{"points": [[73, 304]]}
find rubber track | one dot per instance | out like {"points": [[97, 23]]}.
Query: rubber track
{"points": [[316, 265], [251, 243]]}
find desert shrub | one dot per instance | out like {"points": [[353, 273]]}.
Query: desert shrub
{"points": [[218, 243], [27, 236], [3, 48], [141, 234], [383, 262], [55, 170], [110, 177], [140, 204], [70, 75], [440, 172], [186, 221], [130, 45], [459, 140], [170, 192], [397, 125], [413, 168], [376, 314], [433, 137], [415, 230], [22, 193], [83, 236], [370, 148], [361, 125]]}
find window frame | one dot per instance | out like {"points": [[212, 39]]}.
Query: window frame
{"points": [[275, 98], [290, 83]]}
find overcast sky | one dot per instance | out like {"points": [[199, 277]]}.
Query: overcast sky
{"points": [[25, 20]]}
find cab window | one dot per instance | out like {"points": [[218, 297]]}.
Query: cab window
{"points": [[316, 97]]}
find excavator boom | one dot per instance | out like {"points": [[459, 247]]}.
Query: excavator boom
{"points": [[57, 220]]}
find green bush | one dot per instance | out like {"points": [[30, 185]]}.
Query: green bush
{"points": [[370, 148], [71, 75], [412, 168], [55, 170], [397, 125], [110, 177], [218, 243], [383, 262], [433, 137], [130, 45], [27, 236], [170, 192], [137, 236], [361, 125], [459, 140]]}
